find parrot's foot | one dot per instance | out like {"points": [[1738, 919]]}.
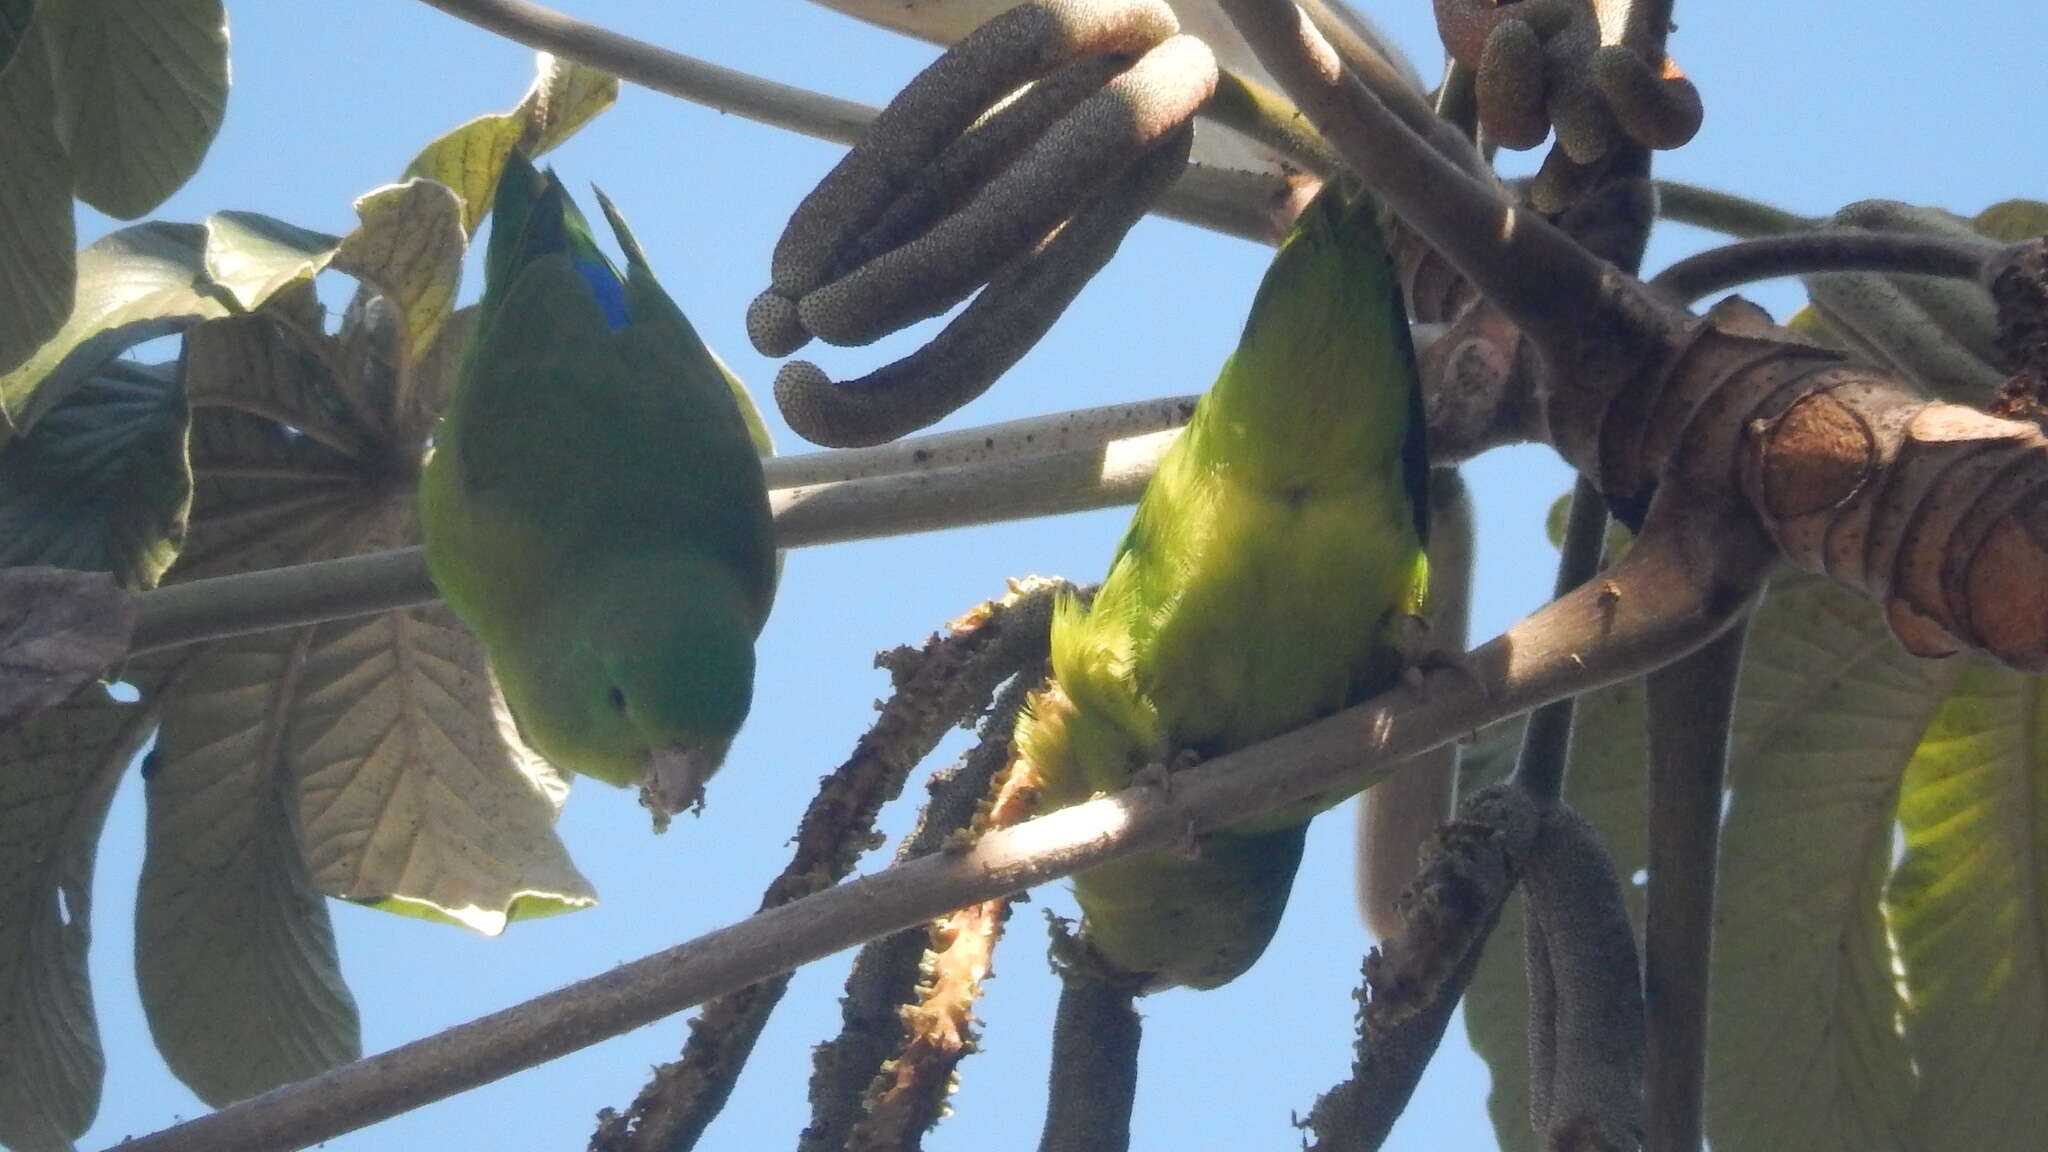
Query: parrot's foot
{"points": [[1419, 658], [1159, 774]]}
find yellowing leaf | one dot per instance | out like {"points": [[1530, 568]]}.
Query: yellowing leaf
{"points": [[565, 96], [1967, 904], [1803, 1050], [410, 246]]}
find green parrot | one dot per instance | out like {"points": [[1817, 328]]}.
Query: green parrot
{"points": [[1270, 574], [594, 505]]}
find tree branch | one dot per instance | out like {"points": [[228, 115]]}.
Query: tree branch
{"points": [[1233, 202], [1535, 273], [1719, 269], [1547, 742], [1725, 212], [1670, 599], [1096, 1035], [1691, 703], [1048, 465], [1397, 816]]}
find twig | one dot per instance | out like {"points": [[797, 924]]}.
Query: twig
{"points": [[950, 679], [1496, 244], [1397, 816], [1719, 269], [1691, 704], [1095, 1040], [1236, 203], [1667, 599], [1725, 212], [1392, 86], [1547, 742]]}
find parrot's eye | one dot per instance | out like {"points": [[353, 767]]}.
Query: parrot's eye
{"points": [[618, 699]]}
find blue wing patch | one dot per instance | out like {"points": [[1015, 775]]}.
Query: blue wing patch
{"points": [[606, 290]]}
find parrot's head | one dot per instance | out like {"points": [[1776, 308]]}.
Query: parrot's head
{"points": [[644, 679]]}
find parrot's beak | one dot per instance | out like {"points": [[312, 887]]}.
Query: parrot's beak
{"points": [[676, 775]]}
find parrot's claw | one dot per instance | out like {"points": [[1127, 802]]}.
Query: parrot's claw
{"points": [[1159, 774]]}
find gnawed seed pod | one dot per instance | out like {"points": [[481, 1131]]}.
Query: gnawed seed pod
{"points": [[1544, 64], [1942, 334], [964, 183]]}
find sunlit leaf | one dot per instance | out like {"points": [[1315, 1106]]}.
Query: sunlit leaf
{"points": [[101, 483], [251, 256], [410, 247], [141, 87], [61, 769], [36, 234], [1804, 1051], [565, 96], [1605, 785], [58, 629], [414, 789], [136, 284], [1967, 904], [233, 948]]}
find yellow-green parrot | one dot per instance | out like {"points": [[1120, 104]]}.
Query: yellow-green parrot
{"points": [[1270, 574], [594, 506]]}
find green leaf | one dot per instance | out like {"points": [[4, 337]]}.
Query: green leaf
{"points": [[141, 86], [233, 949], [136, 284], [101, 483], [61, 769], [1604, 785], [565, 96], [1967, 904], [36, 235], [253, 256], [1804, 1051], [15, 16], [410, 247]]}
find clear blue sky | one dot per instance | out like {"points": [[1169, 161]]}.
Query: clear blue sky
{"points": [[1936, 104]]}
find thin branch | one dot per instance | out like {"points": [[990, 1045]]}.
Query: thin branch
{"points": [[1397, 816], [1547, 742], [1725, 212], [1690, 703], [1391, 85], [1665, 607], [1265, 116], [1500, 246], [1232, 202], [1078, 430], [1719, 269], [1096, 463]]}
